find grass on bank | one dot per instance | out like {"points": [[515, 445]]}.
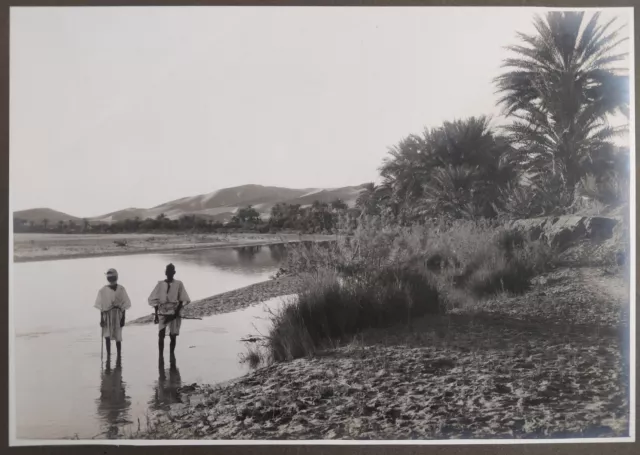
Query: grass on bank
{"points": [[384, 275]]}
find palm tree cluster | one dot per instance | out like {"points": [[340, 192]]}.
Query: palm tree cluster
{"points": [[559, 89], [457, 169]]}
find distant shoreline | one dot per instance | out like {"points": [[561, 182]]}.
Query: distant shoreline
{"points": [[37, 248], [146, 251]]}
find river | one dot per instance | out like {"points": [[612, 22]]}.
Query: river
{"points": [[62, 389]]}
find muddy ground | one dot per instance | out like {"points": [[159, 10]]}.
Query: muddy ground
{"points": [[547, 364]]}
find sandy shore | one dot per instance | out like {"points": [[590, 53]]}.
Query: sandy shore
{"points": [[236, 299], [43, 247], [494, 374]]}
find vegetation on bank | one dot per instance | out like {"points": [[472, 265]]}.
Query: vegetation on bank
{"points": [[384, 274], [520, 374], [431, 236], [489, 340]]}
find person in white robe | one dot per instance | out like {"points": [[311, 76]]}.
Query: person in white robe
{"points": [[168, 298], [113, 302]]}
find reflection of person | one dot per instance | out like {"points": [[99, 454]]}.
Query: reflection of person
{"points": [[113, 302], [166, 389], [168, 298], [114, 404]]}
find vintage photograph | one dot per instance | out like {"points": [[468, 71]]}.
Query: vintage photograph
{"points": [[321, 223]]}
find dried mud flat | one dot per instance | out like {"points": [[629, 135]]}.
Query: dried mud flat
{"points": [[44, 247], [466, 375]]}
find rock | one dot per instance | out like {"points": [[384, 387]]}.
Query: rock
{"points": [[564, 231]]}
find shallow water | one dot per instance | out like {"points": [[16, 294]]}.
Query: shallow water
{"points": [[62, 389], [52, 296]]}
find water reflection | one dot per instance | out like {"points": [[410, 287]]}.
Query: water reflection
{"points": [[247, 259], [247, 255], [166, 387], [78, 398], [114, 404], [278, 252]]}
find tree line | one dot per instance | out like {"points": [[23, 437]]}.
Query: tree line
{"points": [[558, 90], [556, 155], [319, 217]]}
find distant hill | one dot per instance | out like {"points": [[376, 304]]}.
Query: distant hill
{"points": [[37, 216], [222, 204]]}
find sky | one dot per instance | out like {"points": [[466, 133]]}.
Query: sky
{"points": [[116, 107]]}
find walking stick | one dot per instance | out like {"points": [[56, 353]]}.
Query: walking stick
{"points": [[171, 317], [101, 347]]}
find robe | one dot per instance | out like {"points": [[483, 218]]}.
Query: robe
{"points": [[113, 303], [166, 297]]}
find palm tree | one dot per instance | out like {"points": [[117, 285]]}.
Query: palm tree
{"points": [[372, 199], [450, 191], [366, 194], [559, 88], [461, 161]]}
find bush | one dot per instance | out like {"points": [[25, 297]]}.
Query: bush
{"points": [[385, 274], [503, 275], [330, 308]]}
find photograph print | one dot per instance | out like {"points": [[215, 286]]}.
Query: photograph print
{"points": [[243, 224]]}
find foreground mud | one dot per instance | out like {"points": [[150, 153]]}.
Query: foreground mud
{"points": [[473, 374]]}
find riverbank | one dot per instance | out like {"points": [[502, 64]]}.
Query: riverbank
{"points": [[483, 372], [234, 300], [46, 247]]}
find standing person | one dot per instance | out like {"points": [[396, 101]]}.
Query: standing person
{"points": [[113, 302], [168, 298]]}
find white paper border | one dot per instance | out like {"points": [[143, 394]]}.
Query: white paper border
{"points": [[13, 441]]}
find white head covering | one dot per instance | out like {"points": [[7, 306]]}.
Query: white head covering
{"points": [[112, 272]]}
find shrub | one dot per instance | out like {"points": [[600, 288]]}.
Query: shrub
{"points": [[253, 357], [503, 260], [330, 308], [385, 274], [508, 275]]}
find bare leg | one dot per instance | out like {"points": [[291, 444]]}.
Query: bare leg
{"points": [[172, 345], [161, 334], [107, 342], [119, 348]]}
